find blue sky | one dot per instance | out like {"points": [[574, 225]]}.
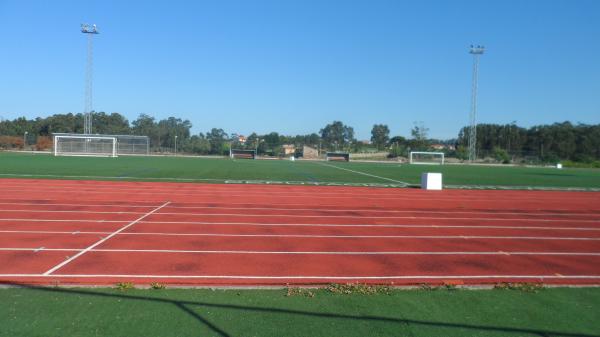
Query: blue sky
{"points": [[293, 66]]}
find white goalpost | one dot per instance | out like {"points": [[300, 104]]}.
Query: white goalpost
{"points": [[84, 145], [426, 158]]}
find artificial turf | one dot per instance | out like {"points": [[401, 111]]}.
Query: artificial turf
{"points": [[219, 170], [203, 312]]}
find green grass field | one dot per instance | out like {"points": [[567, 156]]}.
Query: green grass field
{"points": [[219, 170], [202, 312]]}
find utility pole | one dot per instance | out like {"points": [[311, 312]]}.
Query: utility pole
{"points": [[476, 51], [90, 31]]}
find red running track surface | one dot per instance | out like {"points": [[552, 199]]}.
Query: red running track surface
{"points": [[101, 232]]}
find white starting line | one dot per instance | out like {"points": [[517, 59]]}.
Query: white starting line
{"points": [[60, 265]]}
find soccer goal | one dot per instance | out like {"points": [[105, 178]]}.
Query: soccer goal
{"points": [[338, 156], [85, 145], [427, 158], [242, 154]]}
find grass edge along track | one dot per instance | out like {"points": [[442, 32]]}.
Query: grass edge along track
{"points": [[333, 311]]}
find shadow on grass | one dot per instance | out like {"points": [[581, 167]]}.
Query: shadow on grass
{"points": [[185, 306]]}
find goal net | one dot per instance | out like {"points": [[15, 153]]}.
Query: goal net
{"points": [[242, 154], [427, 158], [85, 145], [125, 144]]}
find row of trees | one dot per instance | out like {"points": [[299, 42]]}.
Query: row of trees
{"points": [[580, 142], [549, 143]]}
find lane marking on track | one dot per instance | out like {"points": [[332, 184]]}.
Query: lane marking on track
{"points": [[314, 209], [39, 249], [537, 218], [250, 224], [308, 277], [258, 252], [296, 195], [316, 236], [67, 211], [60, 265]]}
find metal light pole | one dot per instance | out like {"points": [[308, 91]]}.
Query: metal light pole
{"points": [[476, 52], [90, 31], [175, 145]]}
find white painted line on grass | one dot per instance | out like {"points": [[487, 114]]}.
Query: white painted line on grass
{"points": [[60, 265], [365, 174]]}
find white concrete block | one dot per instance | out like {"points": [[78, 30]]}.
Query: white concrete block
{"points": [[431, 181]]}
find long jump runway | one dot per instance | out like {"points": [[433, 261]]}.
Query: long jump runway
{"points": [[101, 232]]}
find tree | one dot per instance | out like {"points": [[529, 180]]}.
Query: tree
{"points": [[217, 139], [337, 134], [419, 133], [380, 135]]}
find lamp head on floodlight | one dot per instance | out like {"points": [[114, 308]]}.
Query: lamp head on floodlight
{"points": [[89, 29], [477, 50]]}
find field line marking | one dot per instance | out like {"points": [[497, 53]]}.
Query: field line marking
{"points": [[320, 277], [365, 174], [60, 265]]}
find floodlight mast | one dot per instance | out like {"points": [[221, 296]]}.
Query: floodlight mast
{"points": [[476, 51], [90, 31]]}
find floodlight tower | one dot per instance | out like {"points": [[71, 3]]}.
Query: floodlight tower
{"points": [[90, 31], [476, 51]]}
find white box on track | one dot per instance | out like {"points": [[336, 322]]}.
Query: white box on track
{"points": [[431, 181]]}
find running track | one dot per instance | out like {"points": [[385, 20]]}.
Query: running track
{"points": [[100, 232]]}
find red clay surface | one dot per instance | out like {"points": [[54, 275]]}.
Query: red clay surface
{"points": [[100, 232]]}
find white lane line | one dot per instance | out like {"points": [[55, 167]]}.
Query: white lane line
{"points": [[56, 220], [259, 252], [60, 265], [316, 236], [314, 209], [310, 277], [250, 224], [375, 217], [313, 216], [67, 211], [365, 174]]}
